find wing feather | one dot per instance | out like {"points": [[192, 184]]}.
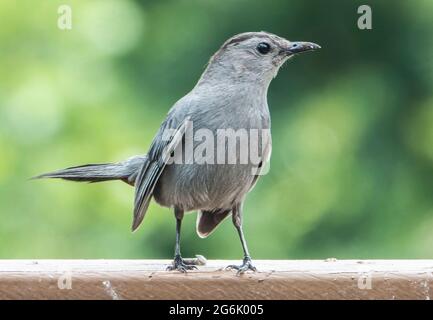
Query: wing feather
{"points": [[159, 154]]}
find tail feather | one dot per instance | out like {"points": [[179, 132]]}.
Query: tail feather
{"points": [[125, 171], [86, 173]]}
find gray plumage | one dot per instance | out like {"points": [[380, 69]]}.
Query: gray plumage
{"points": [[231, 93], [126, 171]]}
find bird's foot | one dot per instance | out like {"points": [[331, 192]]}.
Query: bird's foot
{"points": [[246, 265], [180, 265]]}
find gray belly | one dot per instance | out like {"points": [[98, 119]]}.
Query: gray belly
{"points": [[211, 185], [203, 187]]}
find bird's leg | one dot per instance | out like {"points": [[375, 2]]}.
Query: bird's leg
{"points": [[237, 221], [178, 263]]}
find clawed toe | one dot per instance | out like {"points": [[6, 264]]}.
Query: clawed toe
{"points": [[179, 265], [245, 266]]}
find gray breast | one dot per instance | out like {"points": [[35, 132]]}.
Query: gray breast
{"points": [[207, 186]]}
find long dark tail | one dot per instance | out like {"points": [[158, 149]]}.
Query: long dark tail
{"points": [[125, 171]]}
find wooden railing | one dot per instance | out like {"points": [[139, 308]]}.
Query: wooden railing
{"points": [[275, 279]]}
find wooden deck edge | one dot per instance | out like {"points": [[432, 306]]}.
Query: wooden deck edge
{"points": [[275, 279]]}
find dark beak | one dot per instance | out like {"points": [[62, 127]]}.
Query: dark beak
{"points": [[299, 46]]}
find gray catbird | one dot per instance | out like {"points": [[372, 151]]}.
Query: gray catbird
{"points": [[231, 93]]}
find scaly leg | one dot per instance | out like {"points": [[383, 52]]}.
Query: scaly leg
{"points": [[237, 221], [178, 263]]}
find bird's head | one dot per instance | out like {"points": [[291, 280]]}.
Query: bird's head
{"points": [[252, 56]]}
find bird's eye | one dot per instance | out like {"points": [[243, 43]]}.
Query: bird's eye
{"points": [[263, 47]]}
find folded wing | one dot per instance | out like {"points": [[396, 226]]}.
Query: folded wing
{"points": [[168, 138]]}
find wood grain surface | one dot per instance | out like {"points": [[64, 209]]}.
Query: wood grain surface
{"points": [[275, 279]]}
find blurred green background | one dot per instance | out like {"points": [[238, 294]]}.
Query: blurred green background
{"points": [[352, 165]]}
